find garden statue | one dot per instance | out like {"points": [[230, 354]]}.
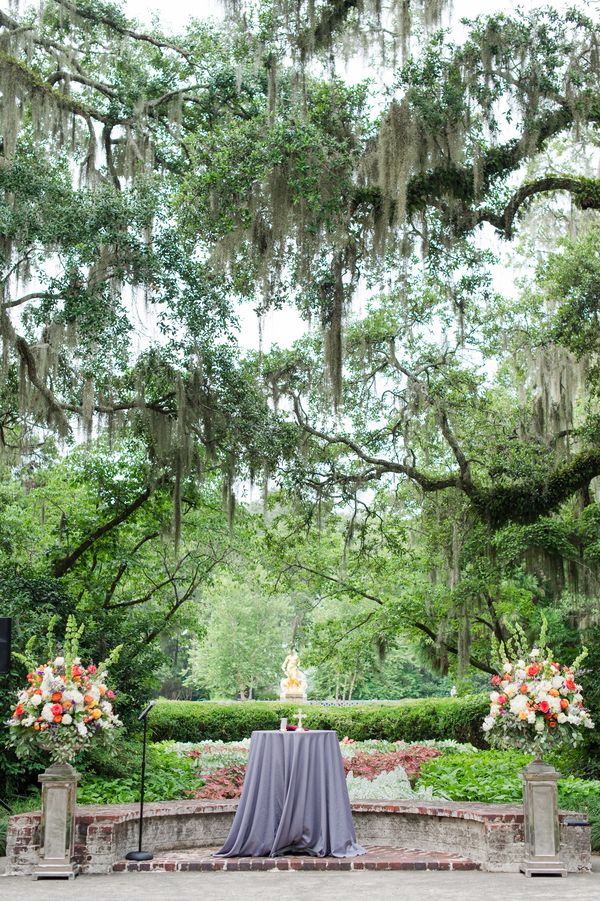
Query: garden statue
{"points": [[292, 688]]}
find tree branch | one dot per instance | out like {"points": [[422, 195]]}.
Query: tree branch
{"points": [[478, 664], [66, 563], [427, 483], [504, 222], [124, 30]]}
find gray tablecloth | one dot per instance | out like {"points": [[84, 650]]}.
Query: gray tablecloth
{"points": [[294, 799]]}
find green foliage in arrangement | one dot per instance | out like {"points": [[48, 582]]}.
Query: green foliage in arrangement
{"points": [[443, 718]]}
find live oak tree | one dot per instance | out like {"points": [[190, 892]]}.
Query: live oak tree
{"points": [[237, 163]]}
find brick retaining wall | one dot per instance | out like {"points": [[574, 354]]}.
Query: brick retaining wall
{"points": [[491, 834]]}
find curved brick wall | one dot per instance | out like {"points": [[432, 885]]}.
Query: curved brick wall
{"points": [[491, 834]]}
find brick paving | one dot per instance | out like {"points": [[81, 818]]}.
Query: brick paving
{"points": [[378, 857]]}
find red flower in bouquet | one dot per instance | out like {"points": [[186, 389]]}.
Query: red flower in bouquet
{"points": [[537, 704]]}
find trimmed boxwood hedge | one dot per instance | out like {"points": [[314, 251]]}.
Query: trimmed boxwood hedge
{"points": [[431, 718]]}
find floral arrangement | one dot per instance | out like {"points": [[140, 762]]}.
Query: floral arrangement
{"points": [[66, 705], [536, 703]]}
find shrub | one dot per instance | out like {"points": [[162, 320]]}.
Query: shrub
{"points": [[168, 776], [222, 784], [370, 765], [388, 786], [458, 719], [493, 777]]}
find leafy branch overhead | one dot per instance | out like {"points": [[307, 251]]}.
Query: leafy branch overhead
{"points": [[437, 413]]}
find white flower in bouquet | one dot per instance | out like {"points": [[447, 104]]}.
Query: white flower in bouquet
{"points": [[519, 704], [65, 705], [75, 696], [47, 713], [536, 704]]}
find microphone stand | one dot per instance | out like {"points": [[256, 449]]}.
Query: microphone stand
{"points": [[139, 854]]}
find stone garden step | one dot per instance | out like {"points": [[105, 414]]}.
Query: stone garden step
{"points": [[378, 857]]}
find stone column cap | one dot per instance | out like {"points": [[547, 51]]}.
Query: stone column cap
{"points": [[59, 772]]}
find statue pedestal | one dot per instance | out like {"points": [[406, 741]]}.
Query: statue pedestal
{"points": [[542, 830], [298, 697], [59, 793]]}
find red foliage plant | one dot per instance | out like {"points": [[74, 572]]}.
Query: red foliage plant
{"points": [[226, 782], [368, 766], [223, 784]]}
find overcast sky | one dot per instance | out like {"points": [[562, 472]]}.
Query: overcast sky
{"points": [[175, 13]]}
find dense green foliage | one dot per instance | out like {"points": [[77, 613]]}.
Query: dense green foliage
{"points": [[427, 458], [492, 777], [441, 718], [169, 776]]}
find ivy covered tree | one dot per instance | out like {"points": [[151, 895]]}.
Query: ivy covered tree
{"points": [[176, 178]]}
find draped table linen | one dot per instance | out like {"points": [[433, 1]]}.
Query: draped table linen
{"points": [[294, 799]]}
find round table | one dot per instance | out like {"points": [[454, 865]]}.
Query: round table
{"points": [[294, 799]]}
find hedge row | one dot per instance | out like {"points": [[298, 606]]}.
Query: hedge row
{"points": [[432, 718]]}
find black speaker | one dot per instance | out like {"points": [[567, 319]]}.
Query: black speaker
{"points": [[5, 636]]}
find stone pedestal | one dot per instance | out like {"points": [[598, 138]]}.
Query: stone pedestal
{"points": [[59, 795], [291, 697], [542, 831]]}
